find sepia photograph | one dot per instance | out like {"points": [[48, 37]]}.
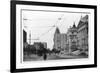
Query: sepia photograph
{"points": [[54, 35]]}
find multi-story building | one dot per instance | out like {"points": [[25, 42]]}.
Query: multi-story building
{"points": [[57, 41], [83, 33], [75, 39], [60, 40], [24, 36], [25, 44], [72, 38]]}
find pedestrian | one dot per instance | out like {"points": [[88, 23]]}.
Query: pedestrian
{"points": [[45, 57]]}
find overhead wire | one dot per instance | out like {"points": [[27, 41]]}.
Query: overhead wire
{"points": [[55, 25]]}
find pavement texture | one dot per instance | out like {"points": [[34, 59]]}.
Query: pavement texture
{"points": [[51, 57]]}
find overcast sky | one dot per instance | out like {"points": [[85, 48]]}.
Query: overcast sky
{"points": [[42, 24]]}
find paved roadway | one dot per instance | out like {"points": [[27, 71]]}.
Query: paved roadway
{"points": [[50, 57]]}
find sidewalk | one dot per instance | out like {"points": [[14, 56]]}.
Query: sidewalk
{"points": [[71, 56], [33, 57]]}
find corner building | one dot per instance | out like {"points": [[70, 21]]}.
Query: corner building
{"points": [[83, 34], [60, 40]]}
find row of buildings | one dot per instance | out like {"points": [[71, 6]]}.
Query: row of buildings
{"points": [[76, 38], [37, 45]]}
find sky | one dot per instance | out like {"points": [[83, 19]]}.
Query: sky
{"points": [[41, 25]]}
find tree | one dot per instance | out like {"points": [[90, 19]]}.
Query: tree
{"points": [[41, 50]]}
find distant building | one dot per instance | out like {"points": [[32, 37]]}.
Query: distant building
{"points": [[57, 41], [44, 44], [24, 36], [72, 38], [83, 33], [37, 45], [25, 44], [60, 40]]}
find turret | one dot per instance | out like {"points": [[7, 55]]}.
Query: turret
{"points": [[57, 31]]}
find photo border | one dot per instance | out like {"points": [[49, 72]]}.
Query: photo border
{"points": [[13, 35]]}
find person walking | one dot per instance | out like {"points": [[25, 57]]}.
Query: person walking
{"points": [[45, 56]]}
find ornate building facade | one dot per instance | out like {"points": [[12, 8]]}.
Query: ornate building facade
{"points": [[76, 38], [83, 33], [66, 41], [72, 38]]}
